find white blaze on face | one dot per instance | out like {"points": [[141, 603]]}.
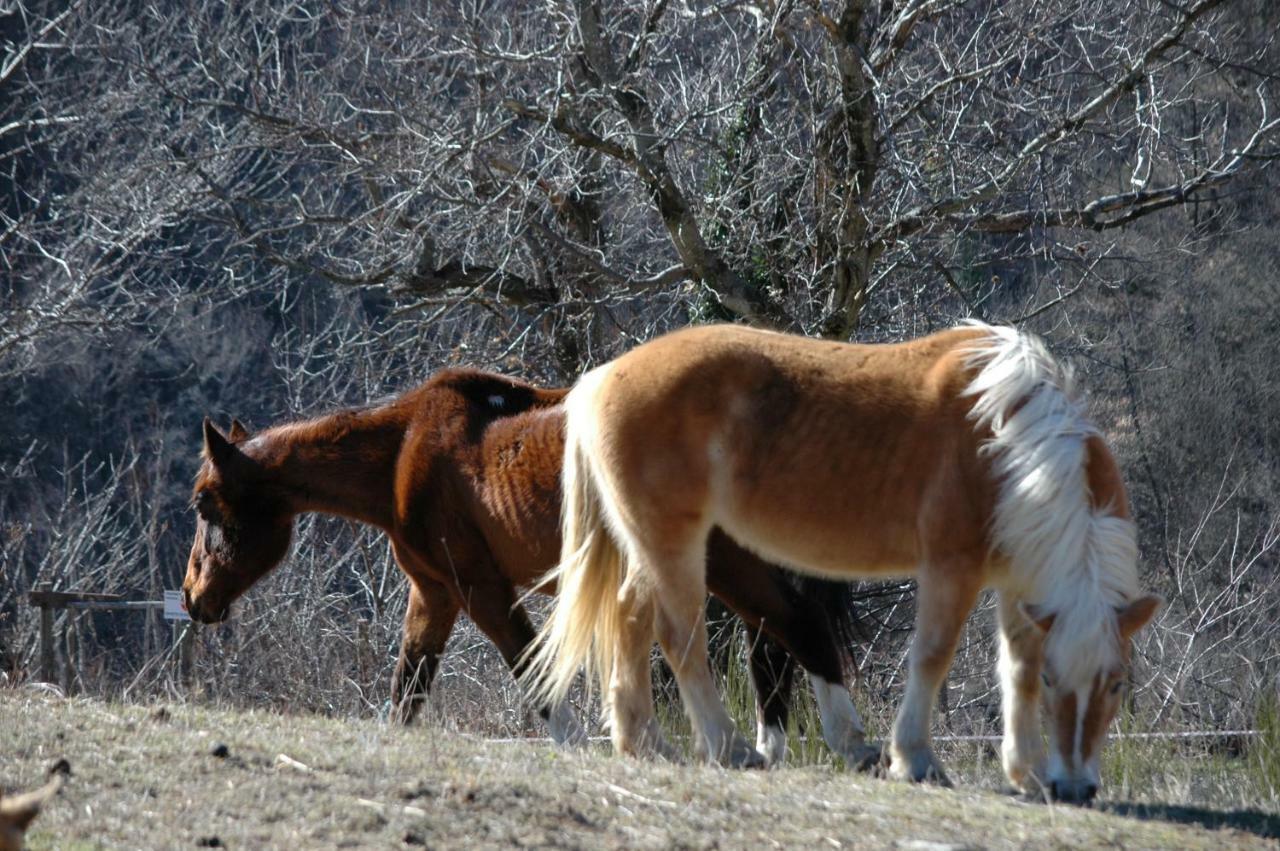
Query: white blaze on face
{"points": [[1068, 750], [1068, 768]]}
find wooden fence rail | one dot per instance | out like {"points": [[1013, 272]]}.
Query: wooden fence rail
{"points": [[50, 601]]}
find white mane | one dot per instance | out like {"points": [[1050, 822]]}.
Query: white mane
{"points": [[1068, 559]]}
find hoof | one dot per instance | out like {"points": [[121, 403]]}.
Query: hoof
{"points": [[660, 748], [405, 712], [657, 745], [771, 743], [867, 758], [745, 756], [919, 767], [1029, 787], [736, 753], [1025, 777], [647, 743], [564, 727]]}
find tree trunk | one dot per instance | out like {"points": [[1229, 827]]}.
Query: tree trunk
{"points": [[847, 158]]}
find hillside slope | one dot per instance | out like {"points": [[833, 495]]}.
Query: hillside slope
{"points": [[148, 777]]}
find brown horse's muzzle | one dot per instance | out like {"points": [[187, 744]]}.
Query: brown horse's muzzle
{"points": [[204, 610]]}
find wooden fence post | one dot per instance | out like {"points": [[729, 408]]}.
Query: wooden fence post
{"points": [[70, 656], [47, 672]]}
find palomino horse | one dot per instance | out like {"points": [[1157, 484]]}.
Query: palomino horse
{"points": [[462, 473], [960, 458]]}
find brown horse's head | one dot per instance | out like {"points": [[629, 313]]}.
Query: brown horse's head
{"points": [[1081, 701], [243, 527]]}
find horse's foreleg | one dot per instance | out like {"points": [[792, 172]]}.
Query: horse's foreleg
{"points": [[944, 598], [772, 671], [1021, 661], [680, 588], [428, 622], [494, 610]]}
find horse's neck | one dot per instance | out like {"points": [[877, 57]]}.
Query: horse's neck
{"points": [[342, 465]]}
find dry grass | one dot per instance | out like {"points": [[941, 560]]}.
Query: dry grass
{"points": [[147, 777]]}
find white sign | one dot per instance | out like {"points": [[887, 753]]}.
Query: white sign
{"points": [[175, 608]]}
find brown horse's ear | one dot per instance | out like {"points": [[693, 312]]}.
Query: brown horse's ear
{"points": [[238, 431], [1137, 614], [216, 447], [1037, 615]]}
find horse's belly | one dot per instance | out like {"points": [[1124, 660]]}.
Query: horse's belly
{"points": [[822, 542]]}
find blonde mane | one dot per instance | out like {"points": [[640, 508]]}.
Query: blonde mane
{"points": [[1069, 559]]}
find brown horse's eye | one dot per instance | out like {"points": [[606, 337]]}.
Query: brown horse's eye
{"points": [[1116, 688], [207, 507]]}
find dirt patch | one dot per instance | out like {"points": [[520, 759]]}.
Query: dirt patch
{"points": [[151, 779]]}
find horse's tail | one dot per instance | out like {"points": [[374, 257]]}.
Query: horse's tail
{"points": [[582, 626], [1068, 555], [839, 602]]}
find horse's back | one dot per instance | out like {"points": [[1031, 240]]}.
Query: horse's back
{"points": [[480, 460], [722, 368], [800, 447], [494, 394]]}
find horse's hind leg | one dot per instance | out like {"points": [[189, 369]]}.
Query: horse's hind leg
{"points": [[760, 594], [772, 671], [681, 591], [945, 595], [1021, 660], [633, 725], [428, 622], [494, 609]]}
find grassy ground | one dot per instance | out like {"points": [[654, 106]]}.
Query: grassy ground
{"points": [[147, 777]]}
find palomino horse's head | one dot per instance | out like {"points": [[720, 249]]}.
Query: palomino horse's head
{"points": [[1080, 700], [242, 527]]}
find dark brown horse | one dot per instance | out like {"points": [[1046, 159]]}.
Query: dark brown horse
{"points": [[463, 474]]}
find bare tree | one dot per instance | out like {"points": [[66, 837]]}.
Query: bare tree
{"points": [[787, 163]]}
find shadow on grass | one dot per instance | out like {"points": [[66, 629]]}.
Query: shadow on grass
{"points": [[1258, 823]]}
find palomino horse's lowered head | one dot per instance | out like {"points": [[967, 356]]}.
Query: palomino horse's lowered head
{"points": [[1080, 701], [242, 529]]}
